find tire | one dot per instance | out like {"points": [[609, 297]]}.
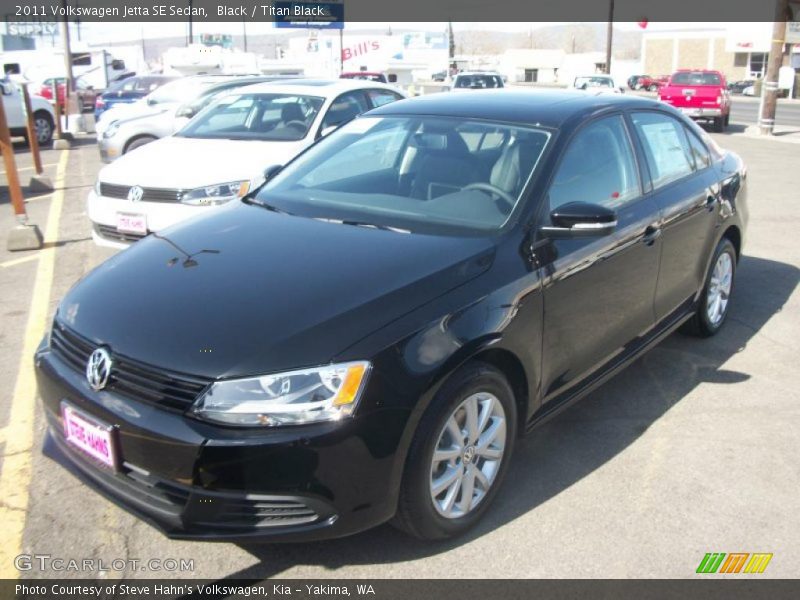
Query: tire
{"points": [[704, 323], [653, 88], [421, 511], [139, 142], [727, 119], [44, 126], [719, 124]]}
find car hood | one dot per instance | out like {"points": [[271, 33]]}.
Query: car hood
{"points": [[242, 290], [185, 163]]}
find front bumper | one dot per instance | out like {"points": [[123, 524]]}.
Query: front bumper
{"points": [[195, 480], [103, 212], [110, 148]]}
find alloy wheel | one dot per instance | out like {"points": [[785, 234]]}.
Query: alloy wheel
{"points": [[43, 130], [719, 289], [468, 454]]}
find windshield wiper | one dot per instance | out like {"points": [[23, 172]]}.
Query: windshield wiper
{"points": [[270, 207], [363, 224]]}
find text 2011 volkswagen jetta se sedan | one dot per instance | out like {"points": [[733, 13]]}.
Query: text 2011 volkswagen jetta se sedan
{"points": [[367, 335]]}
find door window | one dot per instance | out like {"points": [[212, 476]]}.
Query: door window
{"points": [[381, 97], [598, 167], [702, 159], [345, 108], [665, 146]]}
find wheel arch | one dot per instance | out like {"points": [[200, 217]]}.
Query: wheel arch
{"points": [[139, 136], [734, 234]]}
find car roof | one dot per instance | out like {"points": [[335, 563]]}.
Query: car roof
{"points": [[477, 73], [549, 108], [314, 87]]}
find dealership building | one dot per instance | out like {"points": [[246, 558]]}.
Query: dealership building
{"points": [[739, 50]]}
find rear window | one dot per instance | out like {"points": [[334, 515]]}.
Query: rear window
{"points": [[479, 81], [696, 78]]}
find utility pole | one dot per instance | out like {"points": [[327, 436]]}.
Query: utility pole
{"points": [[451, 49], [609, 35], [769, 90], [244, 32], [191, 32], [69, 91]]}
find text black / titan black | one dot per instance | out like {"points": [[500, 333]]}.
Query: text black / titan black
{"points": [[365, 336]]}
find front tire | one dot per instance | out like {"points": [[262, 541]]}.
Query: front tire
{"points": [[715, 301], [459, 455], [44, 126], [653, 88]]}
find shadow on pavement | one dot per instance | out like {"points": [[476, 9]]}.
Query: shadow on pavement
{"points": [[568, 448]]}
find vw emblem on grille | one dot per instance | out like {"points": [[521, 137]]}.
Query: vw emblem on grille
{"points": [[98, 369], [135, 193]]}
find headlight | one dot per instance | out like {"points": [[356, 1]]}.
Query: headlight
{"points": [[111, 130], [326, 393], [216, 194]]}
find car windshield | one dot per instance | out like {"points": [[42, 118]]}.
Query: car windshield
{"points": [[266, 117], [581, 82], [696, 79], [412, 173], [180, 90], [478, 81]]}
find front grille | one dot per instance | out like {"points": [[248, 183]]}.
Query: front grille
{"points": [[129, 377], [112, 190], [112, 233]]}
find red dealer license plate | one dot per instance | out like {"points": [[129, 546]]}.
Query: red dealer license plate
{"points": [[89, 436]]}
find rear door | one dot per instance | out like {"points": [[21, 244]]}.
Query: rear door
{"points": [[598, 291], [686, 191]]}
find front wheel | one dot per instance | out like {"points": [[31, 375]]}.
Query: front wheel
{"points": [[43, 126], [459, 454], [653, 88], [715, 301]]}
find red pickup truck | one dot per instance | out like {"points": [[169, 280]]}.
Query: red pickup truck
{"points": [[700, 95]]}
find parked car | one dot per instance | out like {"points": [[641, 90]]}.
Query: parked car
{"points": [[739, 87], [750, 90], [366, 336], [148, 121], [699, 94], [85, 93], [221, 154], [597, 84], [128, 90], [477, 80], [366, 76], [644, 82], [43, 115]]}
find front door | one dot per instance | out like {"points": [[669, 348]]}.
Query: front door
{"points": [[598, 291]]}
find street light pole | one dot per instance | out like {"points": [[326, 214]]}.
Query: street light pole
{"points": [[769, 92], [609, 35]]}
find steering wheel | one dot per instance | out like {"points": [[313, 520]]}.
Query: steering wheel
{"points": [[299, 125], [493, 190]]}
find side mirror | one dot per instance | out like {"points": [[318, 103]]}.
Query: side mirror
{"points": [[580, 219], [185, 111], [271, 171], [328, 130]]}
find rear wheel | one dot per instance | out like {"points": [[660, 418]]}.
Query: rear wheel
{"points": [[715, 302], [719, 124], [727, 119], [653, 88], [459, 454]]}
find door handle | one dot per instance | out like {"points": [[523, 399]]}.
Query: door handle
{"points": [[651, 234]]}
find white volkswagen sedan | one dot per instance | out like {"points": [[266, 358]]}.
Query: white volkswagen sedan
{"points": [[222, 153]]}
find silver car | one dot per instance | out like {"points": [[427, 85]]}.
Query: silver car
{"points": [[170, 109]]}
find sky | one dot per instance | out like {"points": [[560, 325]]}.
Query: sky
{"points": [[98, 33]]}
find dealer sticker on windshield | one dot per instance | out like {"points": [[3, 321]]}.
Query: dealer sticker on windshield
{"points": [[88, 435]]}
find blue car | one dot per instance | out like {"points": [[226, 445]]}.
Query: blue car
{"points": [[127, 91]]}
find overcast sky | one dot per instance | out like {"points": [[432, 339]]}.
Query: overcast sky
{"points": [[97, 33]]}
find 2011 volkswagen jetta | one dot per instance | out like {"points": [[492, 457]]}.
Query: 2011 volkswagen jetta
{"points": [[367, 335]]}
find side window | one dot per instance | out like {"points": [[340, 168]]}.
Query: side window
{"points": [[702, 159], [345, 108], [665, 145], [381, 97], [598, 167]]}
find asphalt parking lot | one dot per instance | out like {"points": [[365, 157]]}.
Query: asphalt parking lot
{"points": [[693, 449]]}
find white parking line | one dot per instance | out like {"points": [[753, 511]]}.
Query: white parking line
{"points": [[15, 477], [18, 261]]}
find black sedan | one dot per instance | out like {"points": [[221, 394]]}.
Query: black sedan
{"points": [[367, 335]]}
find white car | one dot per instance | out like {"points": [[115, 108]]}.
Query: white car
{"points": [[477, 80], [597, 84], [44, 118], [221, 154]]}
